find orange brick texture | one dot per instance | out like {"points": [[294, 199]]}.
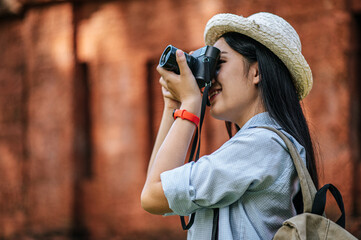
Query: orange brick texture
{"points": [[80, 105]]}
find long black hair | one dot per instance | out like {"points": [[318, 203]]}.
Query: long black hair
{"points": [[279, 96]]}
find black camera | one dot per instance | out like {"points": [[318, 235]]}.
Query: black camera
{"points": [[203, 62]]}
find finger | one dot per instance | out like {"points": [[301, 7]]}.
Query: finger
{"points": [[167, 75], [191, 52], [163, 83], [165, 92], [182, 63], [161, 70]]}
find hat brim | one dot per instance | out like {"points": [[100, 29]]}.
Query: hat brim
{"points": [[275, 39]]}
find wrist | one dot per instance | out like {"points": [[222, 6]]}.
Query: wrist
{"points": [[186, 115], [168, 112], [170, 107], [192, 106], [171, 104]]}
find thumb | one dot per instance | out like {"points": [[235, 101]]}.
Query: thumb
{"points": [[182, 63]]}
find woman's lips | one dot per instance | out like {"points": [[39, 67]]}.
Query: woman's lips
{"points": [[213, 94]]}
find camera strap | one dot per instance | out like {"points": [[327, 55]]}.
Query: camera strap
{"points": [[196, 144]]}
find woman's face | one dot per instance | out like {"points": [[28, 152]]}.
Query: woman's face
{"points": [[234, 96]]}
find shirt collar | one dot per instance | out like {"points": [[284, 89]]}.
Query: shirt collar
{"points": [[261, 119]]}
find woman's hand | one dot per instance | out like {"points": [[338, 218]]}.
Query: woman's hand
{"points": [[182, 87], [170, 101]]}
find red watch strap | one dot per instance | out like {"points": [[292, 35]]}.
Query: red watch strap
{"points": [[184, 114]]}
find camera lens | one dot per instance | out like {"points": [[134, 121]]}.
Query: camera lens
{"points": [[165, 56], [168, 59]]}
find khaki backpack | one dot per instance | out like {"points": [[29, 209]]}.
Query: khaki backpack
{"points": [[311, 224]]}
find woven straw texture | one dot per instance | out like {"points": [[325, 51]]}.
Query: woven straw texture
{"points": [[274, 33]]}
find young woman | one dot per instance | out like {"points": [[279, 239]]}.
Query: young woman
{"points": [[260, 80]]}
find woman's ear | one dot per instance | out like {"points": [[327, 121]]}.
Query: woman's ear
{"points": [[254, 73]]}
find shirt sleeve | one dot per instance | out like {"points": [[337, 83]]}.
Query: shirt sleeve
{"points": [[250, 161]]}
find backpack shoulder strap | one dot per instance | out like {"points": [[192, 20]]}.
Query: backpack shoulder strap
{"points": [[307, 187]]}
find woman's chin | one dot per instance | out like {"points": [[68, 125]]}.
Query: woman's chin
{"points": [[216, 114]]}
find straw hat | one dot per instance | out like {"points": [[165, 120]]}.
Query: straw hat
{"points": [[274, 33]]}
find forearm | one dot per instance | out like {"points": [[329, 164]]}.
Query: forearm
{"points": [[173, 151], [165, 125], [171, 154]]}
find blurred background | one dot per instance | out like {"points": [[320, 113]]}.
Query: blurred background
{"points": [[80, 105]]}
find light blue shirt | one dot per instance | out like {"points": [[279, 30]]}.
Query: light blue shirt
{"points": [[250, 178]]}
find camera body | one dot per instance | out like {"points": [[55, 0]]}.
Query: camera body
{"points": [[203, 62]]}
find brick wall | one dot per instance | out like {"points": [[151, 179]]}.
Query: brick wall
{"points": [[80, 106]]}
